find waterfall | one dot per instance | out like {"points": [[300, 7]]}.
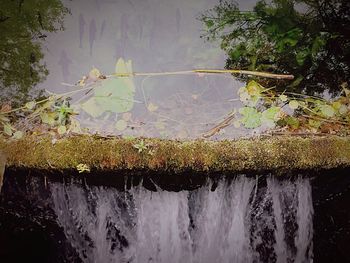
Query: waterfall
{"points": [[239, 220]]}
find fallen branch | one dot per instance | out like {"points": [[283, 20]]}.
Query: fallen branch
{"points": [[206, 71], [226, 122]]}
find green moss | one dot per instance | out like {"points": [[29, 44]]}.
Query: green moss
{"points": [[258, 154]]}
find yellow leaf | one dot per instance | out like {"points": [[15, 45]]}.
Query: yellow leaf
{"points": [[126, 116], [293, 104], [94, 74], [152, 107], [123, 67], [121, 125]]}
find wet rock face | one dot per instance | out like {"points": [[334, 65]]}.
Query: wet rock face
{"points": [[69, 221], [28, 228]]}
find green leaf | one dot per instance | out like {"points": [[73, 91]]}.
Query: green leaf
{"points": [[209, 23], [61, 129], [3, 118], [121, 125], [293, 104], [48, 118], [336, 105], [8, 129], [30, 105], [343, 109], [254, 88], [292, 122], [114, 95], [327, 110], [271, 113], [314, 123], [17, 135], [301, 56], [74, 126], [283, 98], [317, 46], [251, 117], [92, 108]]}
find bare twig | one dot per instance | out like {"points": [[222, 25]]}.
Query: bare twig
{"points": [[226, 122], [206, 71]]}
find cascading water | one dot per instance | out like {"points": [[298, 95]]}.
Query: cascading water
{"points": [[238, 221]]}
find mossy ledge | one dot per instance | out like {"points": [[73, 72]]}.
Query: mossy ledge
{"points": [[281, 153]]}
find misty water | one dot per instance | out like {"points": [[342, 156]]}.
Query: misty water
{"points": [[235, 222], [156, 36]]}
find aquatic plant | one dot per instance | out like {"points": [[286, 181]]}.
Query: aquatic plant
{"points": [[113, 95]]}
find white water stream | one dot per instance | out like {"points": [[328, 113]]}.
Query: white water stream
{"points": [[237, 222]]}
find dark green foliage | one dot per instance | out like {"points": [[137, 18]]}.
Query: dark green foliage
{"points": [[23, 24], [307, 38]]}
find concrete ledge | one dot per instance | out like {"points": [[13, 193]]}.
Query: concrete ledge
{"points": [[281, 153]]}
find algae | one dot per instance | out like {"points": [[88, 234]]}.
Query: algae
{"points": [[278, 153]]}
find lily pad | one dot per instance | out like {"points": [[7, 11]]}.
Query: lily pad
{"points": [[327, 110], [121, 125]]}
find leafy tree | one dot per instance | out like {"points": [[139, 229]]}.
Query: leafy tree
{"points": [[307, 38], [23, 25]]}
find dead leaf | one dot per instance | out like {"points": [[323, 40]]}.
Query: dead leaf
{"points": [[152, 107]]}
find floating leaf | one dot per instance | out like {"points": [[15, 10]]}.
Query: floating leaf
{"points": [[237, 124], [92, 108], [114, 96], [251, 117], [270, 116], [94, 74], [293, 104], [243, 95], [314, 123], [17, 135], [292, 122], [160, 125], [48, 118], [254, 88], [122, 67], [336, 105], [271, 113], [74, 126], [30, 105], [121, 125], [327, 110], [283, 98], [126, 116], [8, 129], [152, 107], [343, 109], [61, 129]]}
